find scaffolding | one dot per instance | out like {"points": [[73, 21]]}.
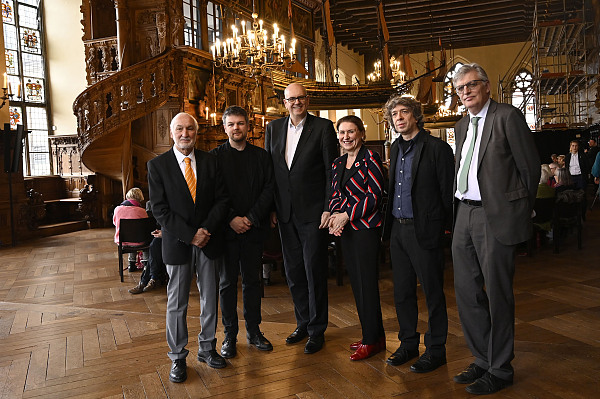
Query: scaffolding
{"points": [[562, 77]]}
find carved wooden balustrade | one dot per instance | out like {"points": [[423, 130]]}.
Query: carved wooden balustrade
{"points": [[101, 58], [127, 95]]}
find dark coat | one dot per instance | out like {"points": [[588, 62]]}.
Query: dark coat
{"points": [[261, 182], [176, 212], [431, 190], [584, 163], [306, 186]]}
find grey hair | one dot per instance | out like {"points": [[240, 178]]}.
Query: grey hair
{"points": [[415, 108], [135, 194], [172, 125], [465, 69]]}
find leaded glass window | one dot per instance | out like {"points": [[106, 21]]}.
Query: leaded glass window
{"points": [[449, 88], [523, 96], [26, 78]]}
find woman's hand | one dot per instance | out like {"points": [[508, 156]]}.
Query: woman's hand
{"points": [[337, 221]]}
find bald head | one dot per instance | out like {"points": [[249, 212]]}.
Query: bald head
{"points": [[296, 102]]}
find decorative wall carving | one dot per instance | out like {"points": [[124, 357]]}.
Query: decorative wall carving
{"points": [[102, 59]]}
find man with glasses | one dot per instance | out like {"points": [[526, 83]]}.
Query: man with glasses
{"points": [[419, 210], [497, 174], [303, 147]]}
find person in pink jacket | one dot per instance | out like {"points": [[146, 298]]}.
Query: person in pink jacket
{"points": [[131, 208]]}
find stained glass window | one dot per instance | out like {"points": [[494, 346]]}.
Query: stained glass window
{"points": [[16, 116], [26, 78], [30, 40], [12, 62], [7, 11], [33, 65], [28, 17]]}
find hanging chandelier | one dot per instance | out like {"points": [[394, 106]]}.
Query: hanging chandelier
{"points": [[254, 51], [398, 75]]}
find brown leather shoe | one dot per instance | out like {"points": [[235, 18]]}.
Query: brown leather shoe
{"points": [[138, 289], [152, 284]]}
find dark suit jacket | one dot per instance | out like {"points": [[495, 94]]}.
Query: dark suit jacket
{"points": [[431, 190], [584, 163], [306, 186], [360, 192], [175, 211], [261, 182], [508, 171]]}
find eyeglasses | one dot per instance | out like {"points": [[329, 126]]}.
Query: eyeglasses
{"points": [[349, 131], [470, 85], [293, 99]]}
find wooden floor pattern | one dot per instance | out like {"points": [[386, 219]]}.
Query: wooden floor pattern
{"points": [[70, 329]]}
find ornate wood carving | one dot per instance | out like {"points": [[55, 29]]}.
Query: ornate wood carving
{"points": [[102, 59]]}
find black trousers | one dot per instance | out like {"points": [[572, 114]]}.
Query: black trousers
{"points": [[304, 248], [409, 262], [243, 255], [360, 248], [156, 268]]}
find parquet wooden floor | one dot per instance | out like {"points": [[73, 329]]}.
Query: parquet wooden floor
{"points": [[70, 329]]}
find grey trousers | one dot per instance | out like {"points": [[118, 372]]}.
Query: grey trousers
{"points": [[178, 294], [483, 280]]}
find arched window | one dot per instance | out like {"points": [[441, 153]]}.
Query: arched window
{"points": [[523, 96], [26, 80], [449, 87]]}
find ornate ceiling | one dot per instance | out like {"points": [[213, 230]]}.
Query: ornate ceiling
{"points": [[419, 25]]}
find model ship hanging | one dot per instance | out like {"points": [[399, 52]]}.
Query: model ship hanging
{"points": [[253, 50]]}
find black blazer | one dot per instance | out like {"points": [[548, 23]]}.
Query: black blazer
{"points": [[431, 190], [262, 184], [306, 186], [584, 163], [175, 211]]}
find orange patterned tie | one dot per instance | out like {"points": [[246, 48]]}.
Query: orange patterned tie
{"points": [[190, 178]]}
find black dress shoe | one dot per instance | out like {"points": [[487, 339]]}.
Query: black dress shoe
{"points": [[469, 375], [178, 371], [427, 363], [228, 349], [212, 358], [401, 356], [297, 336], [487, 384], [260, 342], [314, 344]]}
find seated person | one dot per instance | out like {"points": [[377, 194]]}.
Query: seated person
{"points": [[563, 180], [156, 271], [545, 190], [552, 180], [561, 161], [131, 208]]}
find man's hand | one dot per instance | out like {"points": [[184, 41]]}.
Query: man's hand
{"points": [[324, 220], [273, 219], [157, 233], [597, 180], [201, 238], [240, 224]]}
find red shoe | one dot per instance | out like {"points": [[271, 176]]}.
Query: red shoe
{"points": [[354, 345], [365, 351]]}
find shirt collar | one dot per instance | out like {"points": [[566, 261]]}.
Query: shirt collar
{"points": [[299, 126], [482, 114], [179, 156]]}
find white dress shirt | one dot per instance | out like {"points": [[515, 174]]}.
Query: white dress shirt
{"points": [[574, 167], [293, 137], [180, 161], [472, 192]]}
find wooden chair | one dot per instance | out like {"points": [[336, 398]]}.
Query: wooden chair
{"points": [[134, 231]]}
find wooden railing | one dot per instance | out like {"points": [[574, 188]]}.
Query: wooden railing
{"points": [[101, 58], [127, 95]]}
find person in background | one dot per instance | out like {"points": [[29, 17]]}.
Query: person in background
{"points": [[563, 180], [560, 160], [131, 208], [545, 190], [578, 165], [551, 179], [592, 151], [355, 203]]}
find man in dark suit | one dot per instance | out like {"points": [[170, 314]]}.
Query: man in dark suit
{"points": [[578, 164], [303, 148], [189, 201], [419, 208], [248, 175], [497, 174]]}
